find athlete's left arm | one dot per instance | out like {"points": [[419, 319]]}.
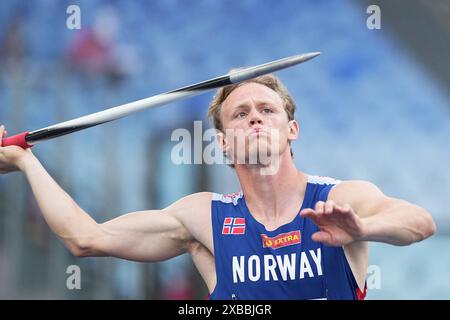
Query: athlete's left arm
{"points": [[384, 219], [359, 211]]}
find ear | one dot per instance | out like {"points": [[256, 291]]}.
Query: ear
{"points": [[294, 130], [221, 140]]}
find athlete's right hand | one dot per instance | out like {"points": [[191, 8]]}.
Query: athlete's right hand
{"points": [[11, 157]]}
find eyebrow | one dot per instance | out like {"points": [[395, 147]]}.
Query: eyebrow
{"points": [[239, 107], [258, 103]]}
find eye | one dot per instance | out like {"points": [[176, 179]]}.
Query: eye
{"points": [[267, 110], [240, 114]]}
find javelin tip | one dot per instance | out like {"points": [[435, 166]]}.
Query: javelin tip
{"points": [[307, 56]]}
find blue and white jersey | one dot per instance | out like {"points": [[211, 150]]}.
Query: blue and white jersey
{"points": [[254, 263]]}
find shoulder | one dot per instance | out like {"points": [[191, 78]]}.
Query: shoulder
{"points": [[193, 203], [354, 189], [360, 195], [191, 209], [194, 214]]}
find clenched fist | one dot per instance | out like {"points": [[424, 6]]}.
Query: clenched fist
{"points": [[11, 157]]}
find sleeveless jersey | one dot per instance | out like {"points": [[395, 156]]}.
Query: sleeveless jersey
{"points": [[253, 263]]}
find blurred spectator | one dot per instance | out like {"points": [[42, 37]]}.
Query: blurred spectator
{"points": [[12, 45], [92, 50]]}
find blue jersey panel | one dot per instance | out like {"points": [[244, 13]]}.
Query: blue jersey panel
{"points": [[254, 263]]}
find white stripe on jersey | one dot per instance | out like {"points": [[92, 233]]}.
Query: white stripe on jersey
{"points": [[228, 198], [322, 180]]}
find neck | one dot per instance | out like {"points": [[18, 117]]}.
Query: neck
{"points": [[273, 199]]}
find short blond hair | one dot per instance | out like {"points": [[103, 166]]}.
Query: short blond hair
{"points": [[268, 80]]}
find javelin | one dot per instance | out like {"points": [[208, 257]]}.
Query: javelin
{"points": [[29, 138]]}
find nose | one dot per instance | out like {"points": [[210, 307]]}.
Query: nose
{"points": [[255, 118], [255, 121]]}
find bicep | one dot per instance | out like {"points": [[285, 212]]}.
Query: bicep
{"points": [[147, 236]]}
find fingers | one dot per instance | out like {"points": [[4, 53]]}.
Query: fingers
{"points": [[346, 208], [314, 214], [322, 236], [3, 133], [308, 212], [325, 209], [329, 206], [320, 207]]}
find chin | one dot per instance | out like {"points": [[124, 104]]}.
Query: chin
{"points": [[260, 155]]}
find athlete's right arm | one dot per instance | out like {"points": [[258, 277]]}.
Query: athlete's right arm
{"points": [[142, 236]]}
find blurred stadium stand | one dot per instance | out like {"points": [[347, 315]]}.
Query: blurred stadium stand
{"points": [[374, 106]]}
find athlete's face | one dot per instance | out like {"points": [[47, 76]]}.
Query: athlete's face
{"points": [[255, 124]]}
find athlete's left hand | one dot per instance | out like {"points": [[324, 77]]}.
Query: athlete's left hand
{"points": [[339, 225]]}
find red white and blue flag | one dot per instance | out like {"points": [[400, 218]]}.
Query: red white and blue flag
{"points": [[233, 226]]}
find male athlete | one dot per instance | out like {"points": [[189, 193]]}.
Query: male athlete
{"points": [[286, 235]]}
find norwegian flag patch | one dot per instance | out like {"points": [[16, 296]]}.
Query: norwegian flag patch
{"points": [[233, 226]]}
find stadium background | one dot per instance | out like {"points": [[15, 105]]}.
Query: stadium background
{"points": [[374, 105]]}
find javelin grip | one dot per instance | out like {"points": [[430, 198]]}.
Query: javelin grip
{"points": [[17, 140]]}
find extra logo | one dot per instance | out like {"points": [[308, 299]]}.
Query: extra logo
{"points": [[281, 240], [233, 226]]}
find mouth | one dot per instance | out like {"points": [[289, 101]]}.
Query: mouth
{"points": [[257, 132]]}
